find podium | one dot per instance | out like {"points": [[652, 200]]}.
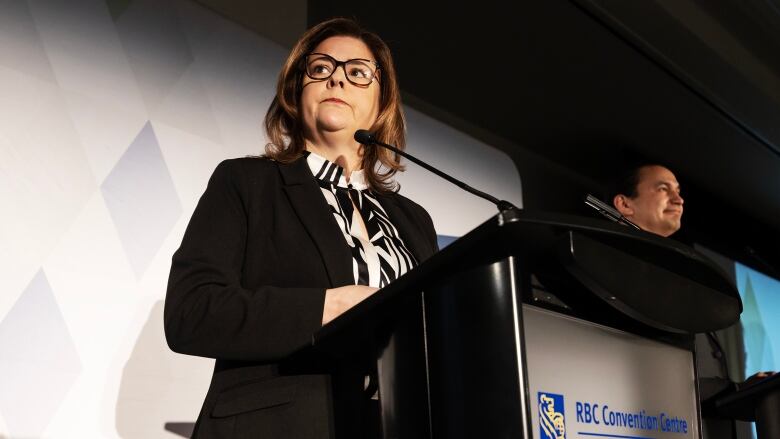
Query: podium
{"points": [[758, 402], [460, 348]]}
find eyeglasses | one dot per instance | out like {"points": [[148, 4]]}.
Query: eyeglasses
{"points": [[320, 66]]}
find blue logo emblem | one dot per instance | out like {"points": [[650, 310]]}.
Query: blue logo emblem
{"points": [[552, 423]]}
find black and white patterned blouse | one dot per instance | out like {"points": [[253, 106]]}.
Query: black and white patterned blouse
{"points": [[384, 257]]}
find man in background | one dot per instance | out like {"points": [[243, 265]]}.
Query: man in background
{"points": [[649, 196]]}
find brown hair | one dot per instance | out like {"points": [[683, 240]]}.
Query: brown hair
{"points": [[283, 122]]}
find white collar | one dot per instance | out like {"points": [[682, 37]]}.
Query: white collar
{"points": [[329, 172]]}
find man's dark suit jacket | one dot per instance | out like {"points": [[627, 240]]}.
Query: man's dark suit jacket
{"points": [[247, 287]]}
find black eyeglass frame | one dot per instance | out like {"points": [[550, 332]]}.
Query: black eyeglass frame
{"points": [[343, 64]]}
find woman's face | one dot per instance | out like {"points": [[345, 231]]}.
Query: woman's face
{"points": [[335, 104]]}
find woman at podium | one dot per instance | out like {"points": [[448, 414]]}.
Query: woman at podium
{"points": [[282, 244]]}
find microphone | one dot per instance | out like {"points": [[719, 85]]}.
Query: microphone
{"points": [[608, 211], [367, 138]]}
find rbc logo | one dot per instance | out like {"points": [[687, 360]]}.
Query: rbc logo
{"points": [[552, 423]]}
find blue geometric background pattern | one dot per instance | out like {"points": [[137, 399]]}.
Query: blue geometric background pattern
{"points": [[38, 359], [140, 196]]}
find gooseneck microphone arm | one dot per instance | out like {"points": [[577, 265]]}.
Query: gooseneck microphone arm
{"points": [[367, 138]]}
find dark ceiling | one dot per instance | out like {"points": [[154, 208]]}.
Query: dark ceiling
{"points": [[572, 88]]}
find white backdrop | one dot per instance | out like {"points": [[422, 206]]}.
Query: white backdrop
{"points": [[112, 116]]}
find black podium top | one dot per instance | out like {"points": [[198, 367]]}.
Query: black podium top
{"points": [[742, 403], [642, 277]]}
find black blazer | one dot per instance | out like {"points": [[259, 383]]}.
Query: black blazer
{"points": [[247, 288]]}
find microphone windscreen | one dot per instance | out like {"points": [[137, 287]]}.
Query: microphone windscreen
{"points": [[365, 137]]}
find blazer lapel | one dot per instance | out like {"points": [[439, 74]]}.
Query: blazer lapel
{"points": [[306, 199], [412, 235]]}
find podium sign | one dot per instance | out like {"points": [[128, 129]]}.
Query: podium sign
{"points": [[590, 381]]}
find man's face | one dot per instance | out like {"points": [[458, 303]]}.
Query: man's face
{"points": [[658, 206]]}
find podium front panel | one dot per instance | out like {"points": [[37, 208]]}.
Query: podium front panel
{"points": [[591, 381]]}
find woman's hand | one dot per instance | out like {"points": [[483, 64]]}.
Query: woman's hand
{"points": [[339, 300]]}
